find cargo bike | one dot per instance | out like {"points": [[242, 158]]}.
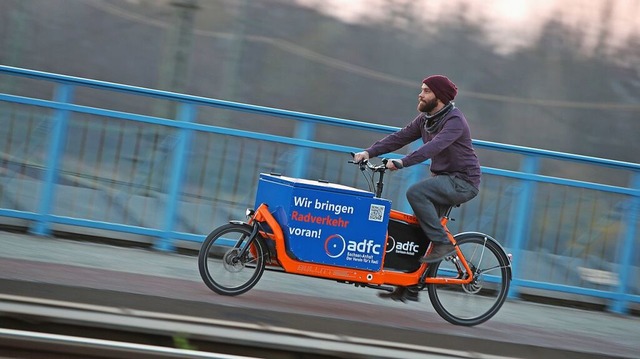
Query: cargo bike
{"points": [[352, 236]]}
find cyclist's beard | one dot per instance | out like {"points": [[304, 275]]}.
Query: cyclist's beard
{"points": [[427, 106]]}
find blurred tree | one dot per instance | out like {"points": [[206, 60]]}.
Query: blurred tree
{"points": [[174, 68], [552, 94], [16, 40]]}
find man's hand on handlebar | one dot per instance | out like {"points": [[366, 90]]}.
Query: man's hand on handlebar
{"points": [[360, 156], [395, 165]]}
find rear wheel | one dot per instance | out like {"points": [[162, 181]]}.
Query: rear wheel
{"points": [[222, 267], [476, 302]]}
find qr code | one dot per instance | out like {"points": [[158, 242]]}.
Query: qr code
{"points": [[376, 213]]}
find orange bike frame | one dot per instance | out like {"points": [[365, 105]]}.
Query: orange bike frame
{"points": [[380, 277]]}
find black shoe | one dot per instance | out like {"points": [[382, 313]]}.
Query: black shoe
{"points": [[401, 294], [439, 251]]}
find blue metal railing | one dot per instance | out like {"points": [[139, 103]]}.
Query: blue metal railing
{"points": [[175, 179]]}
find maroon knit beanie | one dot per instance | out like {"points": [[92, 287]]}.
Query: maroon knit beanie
{"points": [[442, 87]]}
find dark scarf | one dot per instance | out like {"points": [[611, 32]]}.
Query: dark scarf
{"points": [[435, 122]]}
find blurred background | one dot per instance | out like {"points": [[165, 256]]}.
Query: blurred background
{"points": [[557, 75]]}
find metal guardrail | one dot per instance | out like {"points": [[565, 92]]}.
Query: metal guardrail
{"points": [[46, 344], [78, 162]]}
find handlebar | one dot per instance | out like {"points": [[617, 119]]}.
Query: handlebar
{"points": [[365, 164], [382, 168]]}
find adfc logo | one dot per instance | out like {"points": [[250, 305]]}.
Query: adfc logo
{"points": [[335, 245]]}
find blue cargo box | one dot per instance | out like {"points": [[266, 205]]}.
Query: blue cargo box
{"points": [[327, 223]]}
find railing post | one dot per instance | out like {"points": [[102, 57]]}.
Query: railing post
{"points": [[519, 229], [63, 94], [627, 251], [304, 130], [186, 113]]}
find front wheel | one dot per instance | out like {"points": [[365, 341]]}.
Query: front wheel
{"points": [[222, 266], [476, 302]]}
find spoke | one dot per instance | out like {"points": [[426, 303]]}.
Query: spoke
{"points": [[482, 271], [484, 246]]}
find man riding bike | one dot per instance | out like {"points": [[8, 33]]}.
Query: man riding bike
{"points": [[454, 167]]}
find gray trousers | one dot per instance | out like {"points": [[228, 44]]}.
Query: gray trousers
{"points": [[431, 197]]}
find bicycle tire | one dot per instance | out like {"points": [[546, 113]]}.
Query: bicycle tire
{"points": [[458, 304], [220, 267]]}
